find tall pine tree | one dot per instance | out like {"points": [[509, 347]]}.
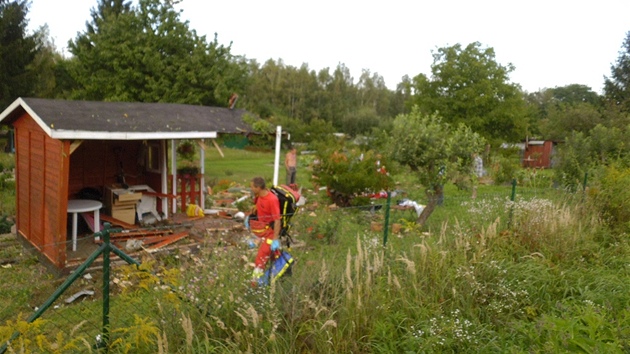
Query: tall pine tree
{"points": [[147, 54], [617, 87], [17, 51]]}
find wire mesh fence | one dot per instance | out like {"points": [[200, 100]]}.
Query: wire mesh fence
{"points": [[77, 313]]}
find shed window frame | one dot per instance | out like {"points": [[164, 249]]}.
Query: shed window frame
{"points": [[153, 160]]}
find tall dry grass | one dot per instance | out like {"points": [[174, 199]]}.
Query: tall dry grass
{"points": [[468, 286]]}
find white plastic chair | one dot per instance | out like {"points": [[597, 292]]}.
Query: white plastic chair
{"points": [[147, 205]]}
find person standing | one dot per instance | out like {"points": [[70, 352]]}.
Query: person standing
{"points": [[290, 163], [477, 173], [267, 210], [478, 165]]}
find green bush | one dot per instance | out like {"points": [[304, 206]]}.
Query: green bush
{"points": [[612, 196], [574, 161], [506, 166]]}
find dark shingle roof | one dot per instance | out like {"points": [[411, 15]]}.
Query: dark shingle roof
{"points": [[126, 120]]}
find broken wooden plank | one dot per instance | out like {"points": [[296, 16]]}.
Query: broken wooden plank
{"points": [[169, 239], [145, 240], [117, 222], [153, 239], [140, 233]]}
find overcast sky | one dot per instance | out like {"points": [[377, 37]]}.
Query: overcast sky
{"points": [[551, 43]]}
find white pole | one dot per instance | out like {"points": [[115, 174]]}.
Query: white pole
{"points": [[202, 157], [164, 181], [276, 164], [174, 172]]}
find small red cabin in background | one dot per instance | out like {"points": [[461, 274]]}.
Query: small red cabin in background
{"points": [[539, 153]]}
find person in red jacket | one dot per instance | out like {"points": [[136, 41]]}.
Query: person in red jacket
{"points": [[267, 210]]}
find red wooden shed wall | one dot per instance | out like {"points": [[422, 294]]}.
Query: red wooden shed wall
{"points": [[42, 175], [538, 155]]}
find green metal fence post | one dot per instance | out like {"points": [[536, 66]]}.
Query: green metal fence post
{"points": [[585, 181], [512, 198], [386, 226], [106, 273]]}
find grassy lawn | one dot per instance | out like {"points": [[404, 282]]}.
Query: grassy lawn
{"points": [[241, 166], [556, 280]]}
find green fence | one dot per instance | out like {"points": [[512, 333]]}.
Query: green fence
{"points": [[82, 304], [515, 195], [90, 329]]}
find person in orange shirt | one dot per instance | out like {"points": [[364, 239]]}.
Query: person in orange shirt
{"points": [[267, 211]]}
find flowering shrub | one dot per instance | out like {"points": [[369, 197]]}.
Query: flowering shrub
{"points": [[348, 174]]}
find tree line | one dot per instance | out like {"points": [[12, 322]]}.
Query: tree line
{"points": [[146, 53]]}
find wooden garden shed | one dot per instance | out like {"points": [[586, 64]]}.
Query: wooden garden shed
{"points": [[64, 148], [538, 153]]}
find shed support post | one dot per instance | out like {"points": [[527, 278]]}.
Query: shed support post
{"points": [[174, 173], [164, 176], [202, 168]]}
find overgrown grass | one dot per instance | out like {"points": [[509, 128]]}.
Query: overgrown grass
{"points": [[541, 274]]}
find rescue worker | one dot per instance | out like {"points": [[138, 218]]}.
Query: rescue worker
{"points": [[267, 211]]}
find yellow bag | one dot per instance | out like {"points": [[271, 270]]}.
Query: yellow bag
{"points": [[194, 210]]}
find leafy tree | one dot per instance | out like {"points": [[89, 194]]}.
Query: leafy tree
{"points": [[147, 54], [17, 52], [263, 90], [617, 86], [47, 67], [586, 152], [609, 144], [360, 121], [315, 130], [279, 90], [468, 86], [373, 94], [554, 111], [283, 91], [433, 150], [574, 160], [562, 119], [339, 97], [574, 94]]}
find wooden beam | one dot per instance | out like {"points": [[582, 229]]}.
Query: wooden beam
{"points": [[218, 148], [75, 144]]}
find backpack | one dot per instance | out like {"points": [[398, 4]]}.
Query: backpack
{"points": [[288, 198]]}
